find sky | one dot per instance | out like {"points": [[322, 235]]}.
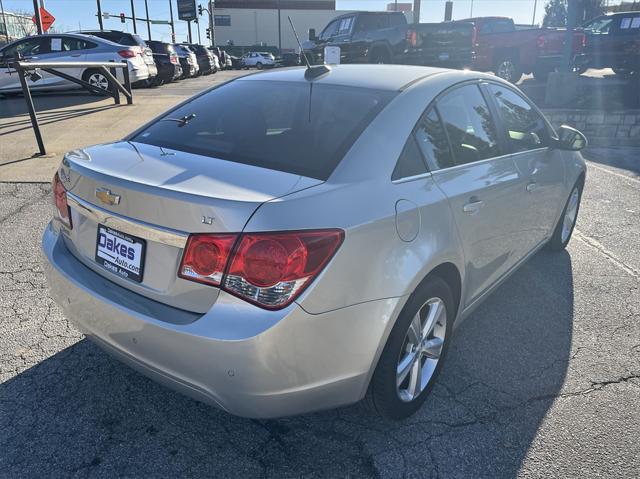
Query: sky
{"points": [[75, 14]]}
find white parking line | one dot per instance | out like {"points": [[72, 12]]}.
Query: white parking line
{"points": [[591, 164], [630, 270]]}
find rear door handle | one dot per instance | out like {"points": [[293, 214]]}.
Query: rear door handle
{"points": [[473, 207], [531, 186]]}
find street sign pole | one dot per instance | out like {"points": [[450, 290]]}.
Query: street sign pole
{"points": [[146, 8], [133, 17], [189, 26], [173, 28], [38, 21]]}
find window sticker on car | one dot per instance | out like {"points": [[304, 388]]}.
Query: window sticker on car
{"points": [[56, 44]]}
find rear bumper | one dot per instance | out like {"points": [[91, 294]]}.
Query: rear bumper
{"points": [[245, 360]]}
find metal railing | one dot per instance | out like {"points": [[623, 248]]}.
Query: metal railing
{"points": [[108, 69]]}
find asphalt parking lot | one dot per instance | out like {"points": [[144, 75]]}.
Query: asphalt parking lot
{"points": [[542, 381]]}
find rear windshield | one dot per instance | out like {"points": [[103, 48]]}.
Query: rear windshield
{"points": [[296, 127]]}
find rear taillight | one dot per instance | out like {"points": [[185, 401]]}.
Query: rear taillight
{"points": [[267, 269], [541, 41], [205, 257], [474, 36], [60, 200], [127, 53], [174, 59], [412, 38]]}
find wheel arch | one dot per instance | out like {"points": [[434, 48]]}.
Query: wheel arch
{"points": [[448, 272]]}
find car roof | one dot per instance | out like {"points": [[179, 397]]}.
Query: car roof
{"points": [[93, 38], [376, 77]]}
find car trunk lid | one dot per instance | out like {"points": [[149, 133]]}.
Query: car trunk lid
{"points": [[156, 197]]}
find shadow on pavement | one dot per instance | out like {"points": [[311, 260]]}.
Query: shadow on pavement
{"points": [[81, 413], [16, 105]]}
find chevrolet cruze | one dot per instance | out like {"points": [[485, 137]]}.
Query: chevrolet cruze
{"points": [[303, 239]]}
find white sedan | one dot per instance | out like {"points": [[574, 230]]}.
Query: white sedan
{"points": [[68, 48]]}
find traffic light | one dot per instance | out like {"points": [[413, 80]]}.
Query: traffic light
{"points": [[209, 33], [122, 19], [200, 9]]}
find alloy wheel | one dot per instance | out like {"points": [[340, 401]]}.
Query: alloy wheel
{"points": [[421, 349], [99, 80], [570, 215]]}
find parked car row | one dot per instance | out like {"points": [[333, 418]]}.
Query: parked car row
{"points": [[494, 44], [150, 63]]}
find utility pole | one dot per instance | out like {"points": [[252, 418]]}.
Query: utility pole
{"points": [[36, 10], [416, 11], [189, 27], [197, 20], [146, 9], [173, 28], [133, 16], [471, 12], [572, 13], [99, 15], [395, 7], [4, 21], [535, 5], [279, 30], [212, 24]]}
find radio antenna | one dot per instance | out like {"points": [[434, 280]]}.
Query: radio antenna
{"points": [[312, 72]]}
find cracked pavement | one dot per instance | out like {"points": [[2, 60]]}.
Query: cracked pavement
{"points": [[542, 380]]}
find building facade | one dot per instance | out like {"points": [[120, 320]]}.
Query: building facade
{"points": [[14, 26]]}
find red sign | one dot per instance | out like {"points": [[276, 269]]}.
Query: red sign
{"points": [[46, 18]]}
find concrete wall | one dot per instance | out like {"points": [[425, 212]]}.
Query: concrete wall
{"points": [[615, 127], [253, 26]]}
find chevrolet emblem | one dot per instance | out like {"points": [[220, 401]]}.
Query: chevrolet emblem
{"points": [[108, 198]]}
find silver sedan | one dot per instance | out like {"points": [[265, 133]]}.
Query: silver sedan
{"points": [[290, 241]]}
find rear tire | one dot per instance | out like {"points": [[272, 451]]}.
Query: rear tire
{"points": [[380, 56], [567, 221], [508, 69], [416, 348], [97, 78], [541, 74], [259, 66]]}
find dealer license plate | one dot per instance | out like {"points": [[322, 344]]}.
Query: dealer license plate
{"points": [[120, 253]]}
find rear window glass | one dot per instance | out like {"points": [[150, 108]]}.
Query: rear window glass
{"points": [[299, 128]]}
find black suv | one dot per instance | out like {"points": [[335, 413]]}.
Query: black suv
{"points": [[205, 58], [167, 62], [613, 41], [363, 37]]}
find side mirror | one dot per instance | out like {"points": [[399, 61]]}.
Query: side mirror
{"points": [[569, 139], [312, 35]]}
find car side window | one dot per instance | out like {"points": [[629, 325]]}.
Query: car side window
{"points": [[71, 44], [410, 162], [469, 125], [526, 129], [433, 143], [27, 48], [330, 30]]}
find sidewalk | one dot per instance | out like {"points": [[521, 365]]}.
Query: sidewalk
{"points": [[76, 120], [66, 128]]}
